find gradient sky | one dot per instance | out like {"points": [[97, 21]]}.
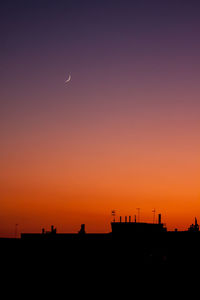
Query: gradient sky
{"points": [[124, 133]]}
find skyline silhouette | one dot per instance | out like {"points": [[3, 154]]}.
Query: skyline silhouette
{"points": [[119, 224], [129, 242]]}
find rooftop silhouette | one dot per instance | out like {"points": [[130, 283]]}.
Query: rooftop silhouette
{"points": [[128, 240]]}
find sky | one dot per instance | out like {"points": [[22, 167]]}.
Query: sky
{"points": [[122, 134]]}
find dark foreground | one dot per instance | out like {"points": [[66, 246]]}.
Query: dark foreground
{"points": [[103, 250]]}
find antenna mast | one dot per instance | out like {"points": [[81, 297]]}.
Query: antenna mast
{"points": [[16, 231], [138, 209], [113, 214], [154, 212]]}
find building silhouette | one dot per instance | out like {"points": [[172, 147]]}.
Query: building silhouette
{"points": [[128, 241]]}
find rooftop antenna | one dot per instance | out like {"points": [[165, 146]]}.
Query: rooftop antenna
{"points": [[16, 230], [138, 209], [154, 212], [113, 214]]}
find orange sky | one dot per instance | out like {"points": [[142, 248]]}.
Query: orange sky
{"points": [[49, 180]]}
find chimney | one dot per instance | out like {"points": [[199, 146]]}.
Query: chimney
{"points": [[159, 219], [82, 230], [53, 230]]}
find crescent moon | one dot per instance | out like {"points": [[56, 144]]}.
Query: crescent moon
{"points": [[68, 79]]}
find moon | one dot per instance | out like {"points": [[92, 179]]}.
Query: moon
{"points": [[68, 79]]}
